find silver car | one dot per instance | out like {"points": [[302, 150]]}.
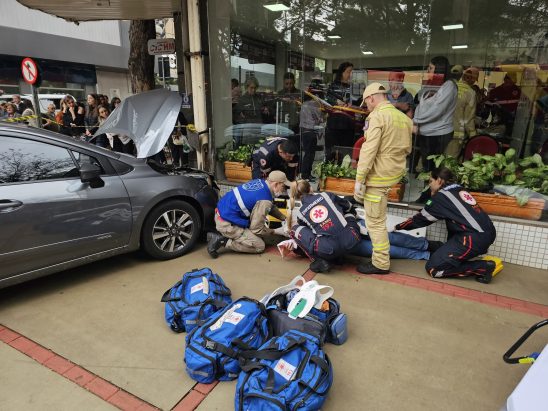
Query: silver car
{"points": [[64, 203]]}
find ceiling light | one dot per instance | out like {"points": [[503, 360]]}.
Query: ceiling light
{"points": [[460, 46], [334, 36], [276, 6], [367, 52], [453, 26]]}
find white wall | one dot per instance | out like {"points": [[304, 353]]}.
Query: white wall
{"points": [[15, 15], [109, 81]]}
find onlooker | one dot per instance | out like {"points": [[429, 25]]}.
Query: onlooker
{"points": [[102, 140], [48, 118], [382, 163], [250, 107], [73, 118], [32, 121], [399, 96], [276, 153], [241, 215], [235, 91], [340, 129], [91, 119], [115, 102], [464, 120], [19, 104], [11, 112], [434, 115], [506, 96], [289, 110], [310, 119]]}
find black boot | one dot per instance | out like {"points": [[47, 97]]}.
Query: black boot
{"points": [[488, 275], [369, 268], [319, 265], [214, 242], [434, 245]]}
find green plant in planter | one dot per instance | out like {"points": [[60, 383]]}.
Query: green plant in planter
{"points": [[323, 170], [241, 155]]}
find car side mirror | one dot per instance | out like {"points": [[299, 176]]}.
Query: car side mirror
{"points": [[91, 173]]}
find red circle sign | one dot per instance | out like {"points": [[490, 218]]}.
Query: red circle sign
{"points": [[29, 69]]}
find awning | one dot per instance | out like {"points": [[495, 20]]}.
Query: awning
{"points": [[87, 10]]}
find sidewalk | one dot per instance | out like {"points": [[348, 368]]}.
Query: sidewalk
{"points": [[415, 343]]}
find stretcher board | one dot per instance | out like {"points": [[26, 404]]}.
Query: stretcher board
{"points": [[531, 394], [392, 220]]}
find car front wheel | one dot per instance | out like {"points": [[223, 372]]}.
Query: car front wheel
{"points": [[171, 230]]}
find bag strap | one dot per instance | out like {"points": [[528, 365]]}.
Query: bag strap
{"points": [[166, 297], [325, 366], [273, 353]]}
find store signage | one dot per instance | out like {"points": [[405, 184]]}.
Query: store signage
{"points": [[29, 69], [161, 46]]}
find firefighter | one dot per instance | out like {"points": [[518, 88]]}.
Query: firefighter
{"points": [[381, 165], [240, 216], [326, 228], [471, 231], [276, 153]]}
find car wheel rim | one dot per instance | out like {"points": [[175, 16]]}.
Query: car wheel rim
{"points": [[172, 230]]}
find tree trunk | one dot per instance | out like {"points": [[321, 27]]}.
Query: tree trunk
{"points": [[140, 63]]}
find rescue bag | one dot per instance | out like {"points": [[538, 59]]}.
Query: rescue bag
{"points": [[288, 372], [191, 301], [327, 324], [213, 350]]}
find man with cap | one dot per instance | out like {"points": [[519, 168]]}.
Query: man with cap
{"points": [[464, 118], [381, 165], [276, 153], [399, 96], [240, 216]]}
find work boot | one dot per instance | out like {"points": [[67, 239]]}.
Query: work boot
{"points": [[369, 268], [319, 265], [214, 242], [488, 276], [434, 245]]}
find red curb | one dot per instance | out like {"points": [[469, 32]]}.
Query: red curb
{"points": [[79, 376], [2, 327], [205, 388], [190, 401], [526, 310], [40, 354], [8, 335], [125, 401], [509, 300], [102, 388], [23, 344], [59, 364], [147, 407]]}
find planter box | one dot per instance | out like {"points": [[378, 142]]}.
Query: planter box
{"points": [[345, 186], [237, 172], [507, 206]]}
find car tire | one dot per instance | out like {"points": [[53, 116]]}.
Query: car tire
{"points": [[171, 230]]}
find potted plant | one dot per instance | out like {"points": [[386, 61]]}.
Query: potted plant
{"points": [[519, 179], [237, 163], [340, 179]]}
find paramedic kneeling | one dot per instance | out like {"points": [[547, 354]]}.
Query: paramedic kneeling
{"points": [[241, 215], [471, 231]]}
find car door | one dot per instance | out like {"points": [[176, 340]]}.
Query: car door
{"points": [[48, 216]]}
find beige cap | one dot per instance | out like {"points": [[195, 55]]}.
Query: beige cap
{"points": [[374, 88], [472, 72], [278, 176]]}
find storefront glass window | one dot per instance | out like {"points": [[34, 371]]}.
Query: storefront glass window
{"points": [[297, 70]]}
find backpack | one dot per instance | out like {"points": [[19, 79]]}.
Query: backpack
{"points": [[288, 372], [213, 350], [191, 301], [330, 325]]}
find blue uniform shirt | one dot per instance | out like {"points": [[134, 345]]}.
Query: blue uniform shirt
{"points": [[236, 206]]}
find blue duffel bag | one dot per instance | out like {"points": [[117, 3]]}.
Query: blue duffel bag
{"points": [[191, 301], [288, 372], [213, 350]]}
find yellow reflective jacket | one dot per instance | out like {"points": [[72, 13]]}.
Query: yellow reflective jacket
{"points": [[387, 144]]}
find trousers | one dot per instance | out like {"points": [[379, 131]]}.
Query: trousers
{"points": [[375, 205], [401, 246]]}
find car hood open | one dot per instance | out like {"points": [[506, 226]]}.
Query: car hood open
{"points": [[147, 118]]}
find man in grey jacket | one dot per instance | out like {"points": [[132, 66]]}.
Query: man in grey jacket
{"points": [[433, 120]]}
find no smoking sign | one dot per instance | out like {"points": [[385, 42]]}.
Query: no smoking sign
{"points": [[29, 69]]}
